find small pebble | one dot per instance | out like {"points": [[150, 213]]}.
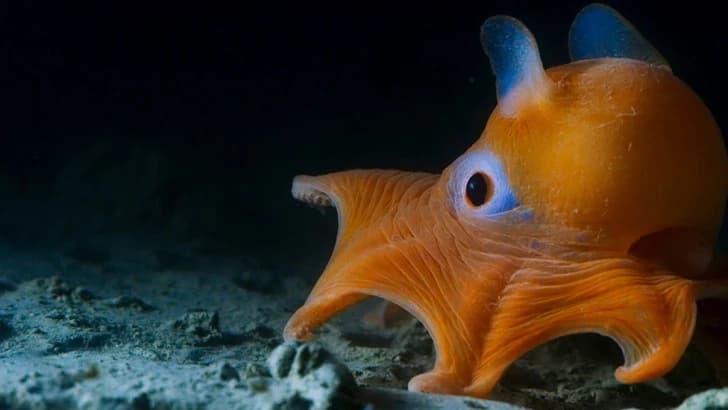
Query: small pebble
{"points": [[228, 372], [281, 359], [258, 384]]}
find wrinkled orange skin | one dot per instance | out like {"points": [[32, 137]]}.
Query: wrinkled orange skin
{"points": [[623, 174]]}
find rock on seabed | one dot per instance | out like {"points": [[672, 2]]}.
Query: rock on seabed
{"points": [[709, 400]]}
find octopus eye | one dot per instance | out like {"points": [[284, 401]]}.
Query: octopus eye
{"points": [[476, 190], [478, 186]]}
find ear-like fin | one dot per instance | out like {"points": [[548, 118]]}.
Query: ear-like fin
{"points": [[515, 60], [600, 31]]}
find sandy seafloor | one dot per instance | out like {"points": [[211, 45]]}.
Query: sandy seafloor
{"points": [[142, 324], [98, 318]]}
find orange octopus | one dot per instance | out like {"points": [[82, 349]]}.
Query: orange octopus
{"points": [[591, 203]]}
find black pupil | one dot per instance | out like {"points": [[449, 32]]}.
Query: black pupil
{"points": [[477, 189]]}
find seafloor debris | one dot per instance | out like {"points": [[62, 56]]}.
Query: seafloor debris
{"points": [[709, 400], [311, 378], [307, 376], [130, 302], [201, 328]]}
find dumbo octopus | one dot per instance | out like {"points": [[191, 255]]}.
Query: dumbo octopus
{"points": [[591, 202]]}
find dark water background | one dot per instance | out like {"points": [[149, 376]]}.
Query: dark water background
{"points": [[238, 98]]}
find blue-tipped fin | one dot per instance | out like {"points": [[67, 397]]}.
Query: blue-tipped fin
{"points": [[515, 60], [599, 31]]}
